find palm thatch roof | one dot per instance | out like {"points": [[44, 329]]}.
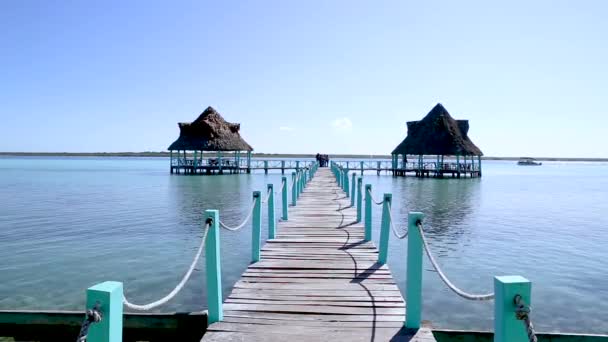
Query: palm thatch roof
{"points": [[438, 133], [210, 132]]}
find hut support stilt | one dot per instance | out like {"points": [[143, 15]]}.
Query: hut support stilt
{"points": [[248, 161]]}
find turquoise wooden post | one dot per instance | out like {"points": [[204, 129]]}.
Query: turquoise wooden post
{"points": [[359, 198], [353, 194], [413, 286], [266, 166], [109, 298], [213, 267], [256, 228], [339, 177], [271, 223], [368, 212], [507, 328], [385, 228], [293, 189], [346, 185], [285, 216]]}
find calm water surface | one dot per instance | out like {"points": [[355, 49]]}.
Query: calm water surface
{"points": [[68, 223]]}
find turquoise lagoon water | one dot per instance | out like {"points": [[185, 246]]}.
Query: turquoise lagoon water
{"points": [[68, 223]]}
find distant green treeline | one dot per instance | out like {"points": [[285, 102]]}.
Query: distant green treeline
{"points": [[255, 155]]}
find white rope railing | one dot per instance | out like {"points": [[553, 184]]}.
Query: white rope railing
{"points": [[179, 286], [244, 221], [293, 182], [373, 199], [393, 229], [444, 278], [265, 200]]}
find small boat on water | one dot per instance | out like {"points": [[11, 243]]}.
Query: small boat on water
{"points": [[528, 162]]}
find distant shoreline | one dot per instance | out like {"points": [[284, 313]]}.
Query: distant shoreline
{"points": [[255, 155]]}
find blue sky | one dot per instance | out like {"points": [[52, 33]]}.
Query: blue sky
{"points": [[304, 76]]}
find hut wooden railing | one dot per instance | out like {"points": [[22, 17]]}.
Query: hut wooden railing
{"points": [[278, 164], [512, 294], [203, 162], [425, 165], [103, 321], [259, 164]]}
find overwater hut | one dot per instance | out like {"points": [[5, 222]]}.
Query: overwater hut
{"points": [[210, 144], [432, 139]]}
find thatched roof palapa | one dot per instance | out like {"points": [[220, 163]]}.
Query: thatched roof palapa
{"points": [[438, 134], [210, 132]]}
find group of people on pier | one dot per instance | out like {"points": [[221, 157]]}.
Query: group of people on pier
{"points": [[323, 159]]}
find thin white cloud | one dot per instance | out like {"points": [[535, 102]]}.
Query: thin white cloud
{"points": [[286, 128], [342, 124]]}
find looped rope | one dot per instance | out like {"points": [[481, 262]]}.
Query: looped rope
{"points": [[393, 229], [92, 316], [244, 221], [293, 182], [267, 196], [522, 313], [445, 279], [373, 199], [179, 286]]}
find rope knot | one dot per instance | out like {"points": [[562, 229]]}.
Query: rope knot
{"points": [[94, 316], [522, 311]]}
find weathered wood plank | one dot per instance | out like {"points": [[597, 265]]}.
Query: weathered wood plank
{"points": [[282, 316]]}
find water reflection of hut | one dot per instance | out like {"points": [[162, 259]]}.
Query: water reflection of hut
{"points": [[437, 135], [209, 144]]}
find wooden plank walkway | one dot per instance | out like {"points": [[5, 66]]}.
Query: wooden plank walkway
{"points": [[317, 281]]}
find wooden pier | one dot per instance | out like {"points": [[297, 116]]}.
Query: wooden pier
{"points": [[318, 280]]}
